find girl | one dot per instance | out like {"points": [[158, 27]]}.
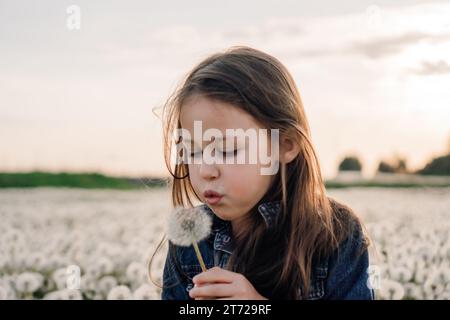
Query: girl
{"points": [[273, 236]]}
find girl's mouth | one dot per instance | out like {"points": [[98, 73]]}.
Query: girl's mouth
{"points": [[212, 197]]}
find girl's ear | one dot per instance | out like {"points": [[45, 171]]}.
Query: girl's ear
{"points": [[289, 149]]}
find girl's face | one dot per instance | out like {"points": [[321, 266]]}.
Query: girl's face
{"points": [[240, 186]]}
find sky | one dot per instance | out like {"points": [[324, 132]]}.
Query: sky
{"points": [[373, 76]]}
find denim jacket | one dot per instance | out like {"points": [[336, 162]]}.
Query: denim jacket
{"points": [[343, 275]]}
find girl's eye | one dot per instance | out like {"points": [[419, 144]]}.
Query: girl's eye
{"points": [[225, 153], [196, 154], [230, 153]]}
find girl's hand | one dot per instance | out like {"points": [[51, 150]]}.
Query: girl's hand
{"points": [[220, 284]]}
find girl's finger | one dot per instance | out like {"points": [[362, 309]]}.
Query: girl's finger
{"points": [[215, 274], [212, 290]]}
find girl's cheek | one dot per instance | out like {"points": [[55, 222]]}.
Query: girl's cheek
{"points": [[241, 180], [244, 180], [194, 177]]}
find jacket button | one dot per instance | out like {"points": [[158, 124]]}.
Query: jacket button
{"points": [[189, 287]]}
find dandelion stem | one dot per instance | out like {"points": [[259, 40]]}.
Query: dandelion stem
{"points": [[199, 256]]}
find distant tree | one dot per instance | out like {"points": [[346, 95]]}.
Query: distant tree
{"points": [[350, 163], [401, 166], [385, 167], [437, 166], [398, 165], [448, 145]]}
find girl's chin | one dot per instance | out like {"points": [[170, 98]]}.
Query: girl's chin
{"points": [[222, 213]]}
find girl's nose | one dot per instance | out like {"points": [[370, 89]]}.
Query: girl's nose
{"points": [[209, 171]]}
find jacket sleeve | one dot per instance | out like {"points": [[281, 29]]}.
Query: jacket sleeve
{"points": [[348, 270], [173, 284]]}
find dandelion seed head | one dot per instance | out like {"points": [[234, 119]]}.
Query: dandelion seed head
{"points": [[188, 225], [106, 283], [401, 274], [144, 292], [119, 293], [136, 272], [59, 276], [53, 295], [391, 290], [3, 293], [412, 290], [29, 282], [433, 288], [71, 294]]}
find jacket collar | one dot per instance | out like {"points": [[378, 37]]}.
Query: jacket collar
{"points": [[270, 212]]}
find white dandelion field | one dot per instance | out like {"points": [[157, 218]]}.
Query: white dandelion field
{"points": [[85, 244]]}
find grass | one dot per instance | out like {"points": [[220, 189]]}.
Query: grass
{"points": [[75, 180], [100, 181], [374, 184]]}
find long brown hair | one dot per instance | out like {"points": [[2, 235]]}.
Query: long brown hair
{"points": [[277, 261]]}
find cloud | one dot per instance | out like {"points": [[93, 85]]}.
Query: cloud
{"points": [[385, 46], [432, 68], [375, 48]]}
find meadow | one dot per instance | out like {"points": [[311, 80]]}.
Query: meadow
{"points": [[68, 243]]}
